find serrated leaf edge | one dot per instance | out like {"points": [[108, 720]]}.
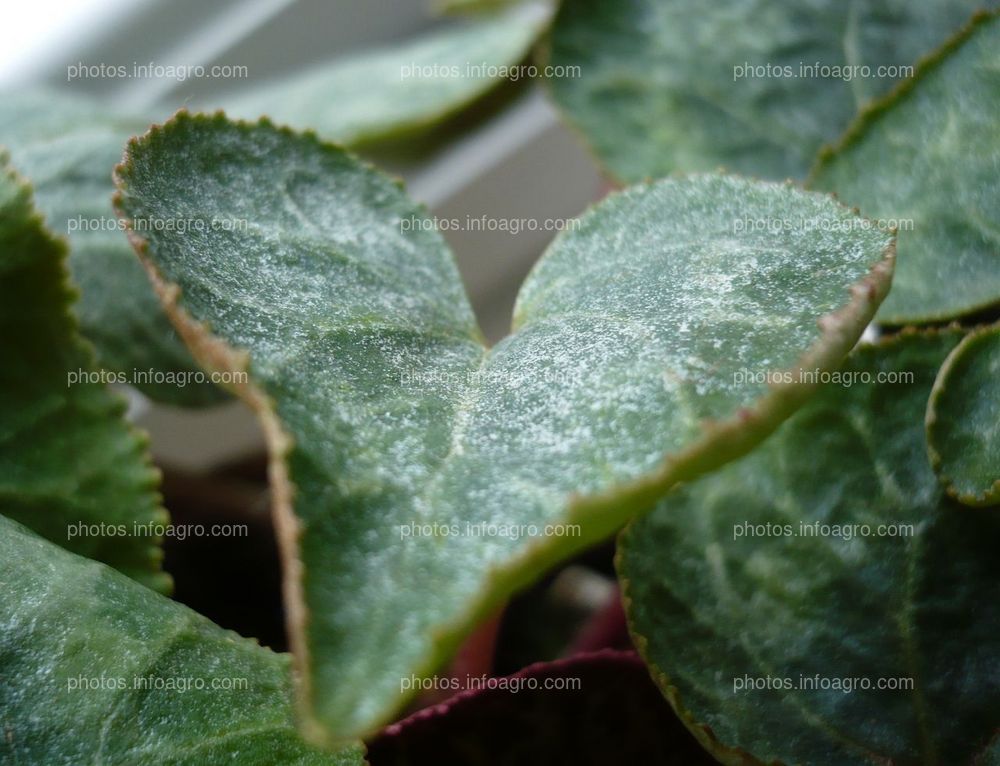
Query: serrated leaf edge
{"points": [[990, 496], [874, 111], [721, 442], [156, 579], [726, 754]]}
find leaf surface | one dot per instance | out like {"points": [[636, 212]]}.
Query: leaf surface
{"points": [[963, 420], [928, 158], [67, 148], [97, 669], [666, 85], [68, 459], [394, 91], [427, 476], [767, 596]]}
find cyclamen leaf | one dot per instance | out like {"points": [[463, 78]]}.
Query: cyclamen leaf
{"points": [[963, 420], [67, 456], [908, 159], [599, 708], [398, 439], [386, 93], [97, 669], [666, 85], [68, 147], [727, 588]]}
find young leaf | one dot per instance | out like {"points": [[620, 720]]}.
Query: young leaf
{"points": [[599, 708], [756, 87], [403, 89], [908, 159], [67, 147], [773, 598], [97, 669], [963, 420], [71, 468], [426, 476]]}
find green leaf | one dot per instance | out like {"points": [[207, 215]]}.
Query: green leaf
{"points": [[395, 434], [69, 462], [97, 669], [68, 147], [831, 558], [386, 93], [963, 420], [659, 85], [908, 159]]}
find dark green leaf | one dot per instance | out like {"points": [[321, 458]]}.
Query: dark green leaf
{"points": [[963, 420], [71, 468], [665, 85], [827, 561], [98, 670], [928, 159]]}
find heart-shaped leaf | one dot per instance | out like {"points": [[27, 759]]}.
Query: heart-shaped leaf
{"points": [[928, 159], [71, 468], [387, 93], [963, 420], [420, 478], [67, 147], [97, 669], [756, 87], [599, 708], [822, 601]]}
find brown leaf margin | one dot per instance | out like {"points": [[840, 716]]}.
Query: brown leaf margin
{"points": [[721, 442]]}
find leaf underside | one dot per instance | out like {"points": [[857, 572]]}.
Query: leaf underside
{"points": [[963, 420], [716, 597], [928, 158], [98, 669], [396, 435], [67, 456], [659, 86]]}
